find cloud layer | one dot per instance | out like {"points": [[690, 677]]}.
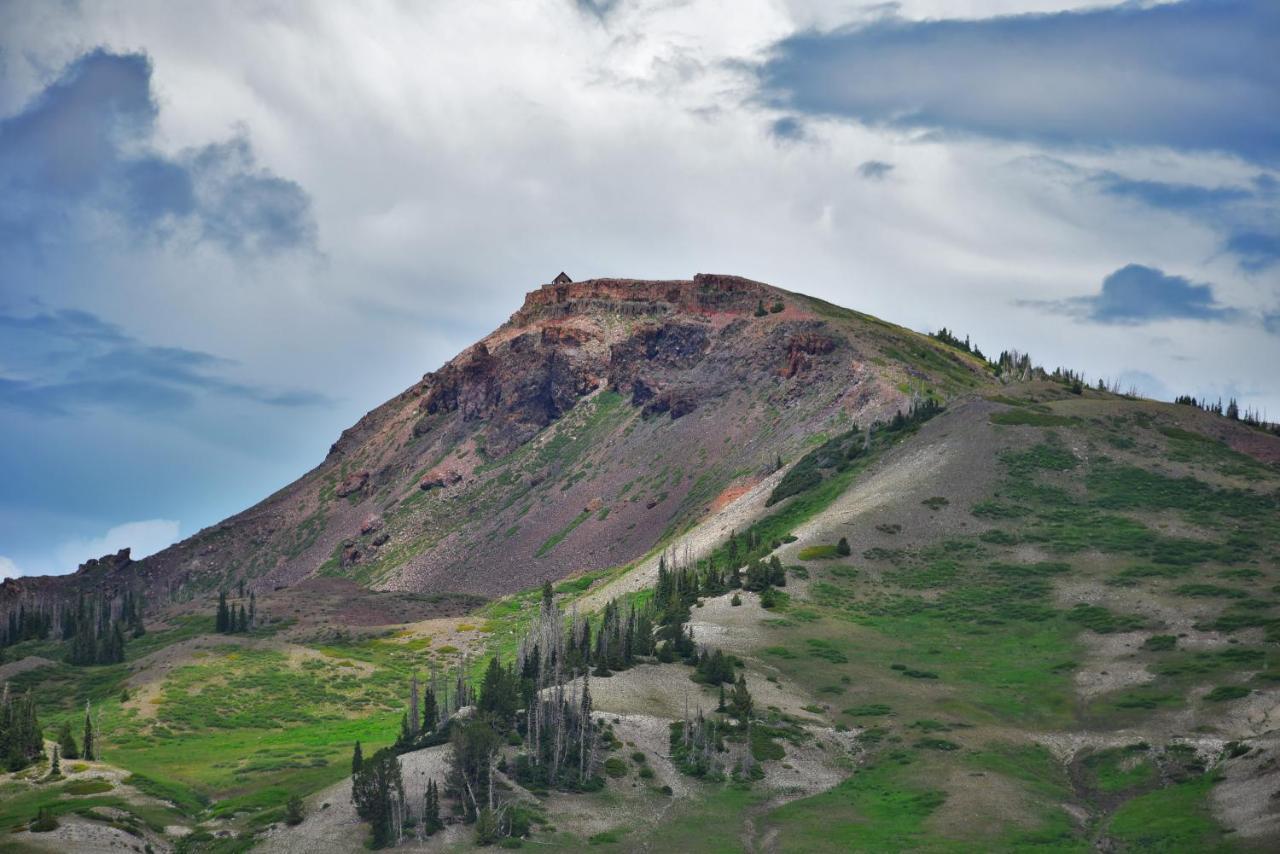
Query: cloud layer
{"points": [[84, 148], [1198, 75], [220, 206], [62, 362]]}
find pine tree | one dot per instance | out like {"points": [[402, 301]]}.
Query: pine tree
{"points": [[430, 714], [357, 759], [253, 609], [242, 623], [90, 751], [377, 791], [740, 704], [223, 620], [431, 822], [842, 547], [67, 742], [56, 768]]}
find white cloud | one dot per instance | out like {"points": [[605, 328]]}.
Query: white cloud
{"points": [[144, 538], [9, 569], [459, 154]]}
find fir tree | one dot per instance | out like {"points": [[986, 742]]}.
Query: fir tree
{"points": [[431, 821], [377, 791], [740, 703], [55, 769], [357, 759], [223, 621], [430, 713], [90, 751], [67, 742], [842, 547]]}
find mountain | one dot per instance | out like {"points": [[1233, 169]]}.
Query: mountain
{"points": [[603, 417], [976, 606]]}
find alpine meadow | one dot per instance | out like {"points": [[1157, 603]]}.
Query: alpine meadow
{"points": [[960, 533]]}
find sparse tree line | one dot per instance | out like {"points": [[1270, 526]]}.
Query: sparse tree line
{"points": [[96, 628], [230, 619], [1249, 416], [22, 736], [541, 705], [945, 336]]}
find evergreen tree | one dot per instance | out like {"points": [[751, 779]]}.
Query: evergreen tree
{"points": [[377, 791], [430, 713], [67, 742], [431, 821], [357, 759], [499, 693], [223, 621], [90, 751], [242, 623], [842, 548], [740, 703], [55, 769]]}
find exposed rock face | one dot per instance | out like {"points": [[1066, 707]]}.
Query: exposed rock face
{"points": [[604, 414], [352, 483]]}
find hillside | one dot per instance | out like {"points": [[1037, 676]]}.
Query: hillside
{"points": [[1055, 609], [602, 417]]}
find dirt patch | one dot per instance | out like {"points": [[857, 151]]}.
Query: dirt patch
{"points": [[731, 494], [1000, 801], [1110, 664], [22, 665], [1245, 800]]}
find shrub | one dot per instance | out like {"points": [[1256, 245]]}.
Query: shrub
{"points": [[293, 814], [94, 786], [1227, 692], [44, 822], [842, 548], [1160, 643], [615, 767]]}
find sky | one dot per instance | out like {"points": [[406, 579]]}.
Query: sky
{"points": [[227, 230]]}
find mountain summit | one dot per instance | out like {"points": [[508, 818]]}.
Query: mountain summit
{"points": [[603, 416]]}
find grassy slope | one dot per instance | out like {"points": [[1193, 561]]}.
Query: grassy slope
{"points": [[993, 651], [934, 641]]}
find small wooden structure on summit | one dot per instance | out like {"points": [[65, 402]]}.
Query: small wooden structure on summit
{"points": [[562, 279]]}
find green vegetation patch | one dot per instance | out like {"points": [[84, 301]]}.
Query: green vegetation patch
{"points": [[1029, 418]]}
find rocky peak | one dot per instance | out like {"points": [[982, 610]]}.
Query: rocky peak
{"points": [[705, 293]]}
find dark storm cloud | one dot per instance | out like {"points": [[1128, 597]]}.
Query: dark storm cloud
{"points": [[1198, 75], [61, 362], [1136, 294], [84, 145]]}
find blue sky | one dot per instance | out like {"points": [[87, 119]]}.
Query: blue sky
{"points": [[228, 230]]}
